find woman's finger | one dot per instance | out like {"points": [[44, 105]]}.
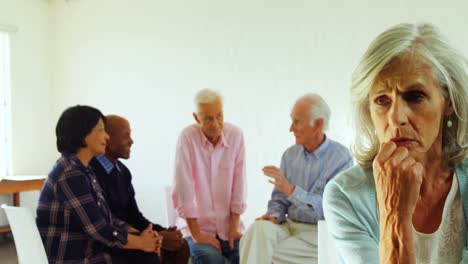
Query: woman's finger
{"points": [[407, 163], [398, 156], [386, 150]]}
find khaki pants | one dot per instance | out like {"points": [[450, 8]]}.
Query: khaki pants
{"points": [[288, 243]]}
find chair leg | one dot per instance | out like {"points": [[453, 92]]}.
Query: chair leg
{"points": [[16, 199]]}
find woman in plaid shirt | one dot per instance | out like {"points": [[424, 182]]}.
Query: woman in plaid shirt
{"points": [[73, 218]]}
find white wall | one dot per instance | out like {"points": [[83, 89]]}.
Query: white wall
{"points": [[33, 133], [145, 59]]}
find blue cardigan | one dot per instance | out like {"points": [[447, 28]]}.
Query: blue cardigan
{"points": [[350, 208]]}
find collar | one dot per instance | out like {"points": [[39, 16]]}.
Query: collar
{"points": [[206, 142], [322, 148], [71, 157], [107, 164]]}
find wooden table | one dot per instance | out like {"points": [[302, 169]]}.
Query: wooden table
{"points": [[15, 187]]}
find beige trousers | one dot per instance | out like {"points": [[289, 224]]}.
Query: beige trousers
{"points": [[288, 243]]}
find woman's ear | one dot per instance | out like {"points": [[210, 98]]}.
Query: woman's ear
{"points": [[448, 108]]}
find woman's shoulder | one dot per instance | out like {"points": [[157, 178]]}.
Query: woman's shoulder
{"points": [[349, 199], [65, 167], [355, 177], [354, 186]]}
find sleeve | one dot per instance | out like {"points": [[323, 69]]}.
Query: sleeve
{"points": [[350, 233], [135, 217], [279, 203], [238, 194], [74, 190], [120, 223], [183, 195], [314, 199]]}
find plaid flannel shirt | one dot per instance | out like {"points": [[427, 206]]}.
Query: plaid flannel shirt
{"points": [[74, 220]]}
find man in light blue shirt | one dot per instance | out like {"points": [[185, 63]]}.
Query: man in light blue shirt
{"points": [[287, 233]]}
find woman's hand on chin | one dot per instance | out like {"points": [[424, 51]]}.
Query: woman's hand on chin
{"points": [[398, 178]]}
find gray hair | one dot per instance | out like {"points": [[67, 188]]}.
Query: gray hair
{"points": [[449, 67], [206, 96], [318, 108]]}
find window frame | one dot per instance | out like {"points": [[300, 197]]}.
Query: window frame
{"points": [[6, 150]]}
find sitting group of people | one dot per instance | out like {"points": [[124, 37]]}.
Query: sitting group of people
{"points": [[87, 211], [405, 201]]}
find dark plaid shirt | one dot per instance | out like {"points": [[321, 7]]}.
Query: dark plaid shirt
{"points": [[73, 217]]}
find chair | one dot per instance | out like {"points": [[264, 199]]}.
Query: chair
{"points": [[28, 242], [327, 253]]}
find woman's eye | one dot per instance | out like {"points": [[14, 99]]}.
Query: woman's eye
{"points": [[381, 100], [414, 97]]}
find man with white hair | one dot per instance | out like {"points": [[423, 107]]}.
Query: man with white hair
{"points": [[209, 192], [287, 233]]}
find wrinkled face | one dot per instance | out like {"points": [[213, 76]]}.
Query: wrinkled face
{"points": [[407, 106], [96, 140], [211, 119], [304, 132], [120, 141]]}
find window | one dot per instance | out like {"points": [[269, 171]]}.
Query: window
{"points": [[5, 107]]}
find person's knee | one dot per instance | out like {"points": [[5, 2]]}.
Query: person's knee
{"points": [[202, 253], [208, 255], [261, 227], [258, 231], [181, 255]]}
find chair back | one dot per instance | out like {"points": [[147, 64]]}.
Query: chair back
{"points": [[27, 239]]}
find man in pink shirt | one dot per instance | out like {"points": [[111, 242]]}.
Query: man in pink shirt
{"points": [[209, 193]]}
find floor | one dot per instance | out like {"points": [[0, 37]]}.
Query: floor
{"points": [[7, 250]]}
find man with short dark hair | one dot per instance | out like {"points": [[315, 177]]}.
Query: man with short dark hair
{"points": [[116, 180]]}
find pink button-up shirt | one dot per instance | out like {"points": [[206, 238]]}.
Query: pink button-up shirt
{"points": [[209, 180]]}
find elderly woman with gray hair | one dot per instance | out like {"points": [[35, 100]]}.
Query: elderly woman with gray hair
{"points": [[407, 200]]}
